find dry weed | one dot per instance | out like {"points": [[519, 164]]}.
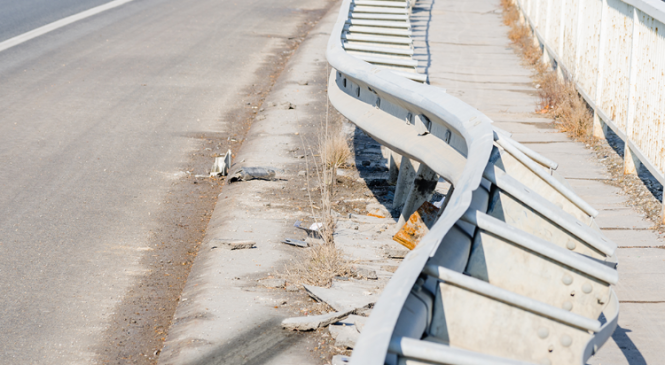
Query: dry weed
{"points": [[320, 264], [335, 151], [558, 99], [323, 261]]}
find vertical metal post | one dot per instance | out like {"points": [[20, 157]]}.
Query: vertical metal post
{"points": [[393, 168], [421, 191], [629, 166], [578, 40], [404, 181], [599, 127]]}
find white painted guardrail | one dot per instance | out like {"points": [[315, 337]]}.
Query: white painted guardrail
{"points": [[614, 51], [515, 270]]}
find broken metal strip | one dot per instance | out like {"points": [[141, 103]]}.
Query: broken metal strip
{"points": [[379, 49], [526, 150], [442, 354], [538, 170], [404, 18], [548, 210], [392, 4], [377, 30], [483, 288], [379, 23], [377, 39], [387, 61], [542, 247], [379, 10]]}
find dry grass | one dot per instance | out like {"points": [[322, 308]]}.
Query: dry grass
{"points": [[324, 261], [335, 151], [559, 99]]}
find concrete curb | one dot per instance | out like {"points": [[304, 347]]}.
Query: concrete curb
{"points": [[223, 316]]}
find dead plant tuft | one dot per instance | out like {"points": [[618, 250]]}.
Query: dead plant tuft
{"points": [[323, 261], [559, 99], [336, 150]]}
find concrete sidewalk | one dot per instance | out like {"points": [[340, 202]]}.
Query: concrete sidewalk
{"points": [[464, 47]]}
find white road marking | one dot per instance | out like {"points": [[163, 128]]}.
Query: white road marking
{"points": [[59, 24]]}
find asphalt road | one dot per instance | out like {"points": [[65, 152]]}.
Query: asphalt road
{"points": [[20, 16], [99, 121]]}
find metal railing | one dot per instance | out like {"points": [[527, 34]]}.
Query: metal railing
{"points": [[515, 269], [614, 51]]}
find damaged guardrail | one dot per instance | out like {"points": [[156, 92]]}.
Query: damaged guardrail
{"points": [[514, 270]]}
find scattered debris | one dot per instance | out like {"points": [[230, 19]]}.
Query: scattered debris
{"points": [[294, 242], [221, 165], [302, 173], [291, 288], [396, 253], [378, 211], [303, 82], [365, 273], [312, 231], [345, 335], [309, 323], [349, 298], [287, 105], [341, 360], [251, 173], [273, 283], [417, 226], [233, 244]]}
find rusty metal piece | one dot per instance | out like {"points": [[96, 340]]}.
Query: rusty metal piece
{"points": [[417, 226]]}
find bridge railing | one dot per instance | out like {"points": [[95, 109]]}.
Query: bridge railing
{"points": [[614, 51], [514, 270]]}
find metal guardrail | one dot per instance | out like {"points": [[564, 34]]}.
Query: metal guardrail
{"points": [[613, 50], [514, 270]]}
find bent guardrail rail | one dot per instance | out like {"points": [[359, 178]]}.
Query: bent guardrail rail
{"points": [[514, 270]]}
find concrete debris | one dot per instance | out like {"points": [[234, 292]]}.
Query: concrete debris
{"points": [[309, 323], [345, 336], [287, 105], [366, 273], [341, 360], [417, 226], [294, 242], [302, 173], [291, 288], [233, 244], [273, 283], [347, 297], [251, 173], [396, 253], [221, 165], [378, 211], [303, 82]]}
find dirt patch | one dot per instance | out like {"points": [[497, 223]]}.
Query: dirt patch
{"points": [[140, 323]]}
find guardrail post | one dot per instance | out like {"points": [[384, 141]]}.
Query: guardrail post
{"points": [[404, 181], [421, 191], [393, 168], [631, 164], [599, 127], [629, 160]]}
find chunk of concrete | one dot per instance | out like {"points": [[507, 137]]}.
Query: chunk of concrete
{"points": [[273, 283], [309, 323], [347, 298], [233, 244], [345, 336]]}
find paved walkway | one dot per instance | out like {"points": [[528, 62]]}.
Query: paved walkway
{"points": [[464, 47]]}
